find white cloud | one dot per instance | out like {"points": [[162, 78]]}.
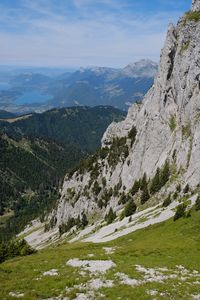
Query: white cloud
{"points": [[48, 34]]}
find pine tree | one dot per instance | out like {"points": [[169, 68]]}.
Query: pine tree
{"points": [[197, 204], [130, 208], [165, 174], [155, 183], [143, 184], [135, 188], [180, 212], [145, 195], [111, 216], [186, 189], [84, 220], [167, 201]]}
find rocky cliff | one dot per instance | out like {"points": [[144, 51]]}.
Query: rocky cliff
{"points": [[164, 129]]}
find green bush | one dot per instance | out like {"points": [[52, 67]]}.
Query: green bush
{"points": [[180, 212], [96, 188], [172, 123], [118, 151], [132, 135], [167, 201], [161, 178], [145, 195], [197, 204], [186, 189], [155, 184], [143, 183], [130, 208], [192, 16], [111, 216], [135, 188], [14, 248]]}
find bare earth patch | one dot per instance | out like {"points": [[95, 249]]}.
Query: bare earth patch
{"points": [[16, 294], [93, 266], [53, 272]]}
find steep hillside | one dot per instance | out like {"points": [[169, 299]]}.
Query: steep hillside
{"points": [[151, 156], [161, 262], [35, 153]]}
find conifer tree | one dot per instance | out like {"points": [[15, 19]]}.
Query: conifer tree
{"points": [[143, 182], [130, 208], [84, 220], [135, 188], [145, 195], [111, 216], [155, 183], [197, 204], [165, 174]]}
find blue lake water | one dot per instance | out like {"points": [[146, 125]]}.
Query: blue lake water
{"points": [[32, 97], [4, 86]]}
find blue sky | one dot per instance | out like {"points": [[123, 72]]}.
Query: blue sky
{"points": [[73, 33]]}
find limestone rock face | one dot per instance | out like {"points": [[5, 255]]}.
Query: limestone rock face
{"points": [[168, 128], [195, 5]]}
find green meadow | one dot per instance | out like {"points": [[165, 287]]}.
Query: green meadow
{"points": [[165, 245]]}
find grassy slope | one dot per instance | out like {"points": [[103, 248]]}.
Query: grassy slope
{"points": [[165, 245]]}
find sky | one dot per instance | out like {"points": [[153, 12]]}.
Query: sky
{"points": [[74, 33]]}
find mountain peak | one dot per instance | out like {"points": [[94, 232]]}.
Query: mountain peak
{"points": [[196, 5], [98, 71], [141, 68]]}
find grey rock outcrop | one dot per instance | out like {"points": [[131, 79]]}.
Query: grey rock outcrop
{"points": [[195, 5], [167, 124]]}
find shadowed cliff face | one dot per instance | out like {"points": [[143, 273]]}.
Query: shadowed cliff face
{"points": [[167, 125]]}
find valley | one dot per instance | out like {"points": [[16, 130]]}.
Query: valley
{"points": [[97, 202]]}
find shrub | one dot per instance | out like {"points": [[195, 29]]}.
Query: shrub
{"points": [[130, 208], [84, 221], [118, 151], [180, 212], [104, 181], [175, 196], [192, 16], [172, 123], [165, 174], [155, 182], [167, 201], [14, 248], [145, 195], [132, 135], [96, 188], [197, 204], [143, 184], [186, 189], [178, 188], [160, 179], [111, 216], [124, 199], [135, 188]]}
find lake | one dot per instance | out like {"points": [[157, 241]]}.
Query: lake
{"points": [[31, 97], [4, 86]]}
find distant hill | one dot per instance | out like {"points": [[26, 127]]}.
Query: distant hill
{"points": [[91, 86], [6, 115], [106, 86], [80, 126]]}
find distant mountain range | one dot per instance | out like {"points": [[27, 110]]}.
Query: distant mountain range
{"points": [[90, 86]]}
